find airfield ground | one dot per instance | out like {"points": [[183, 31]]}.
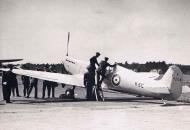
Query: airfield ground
{"points": [[118, 112]]}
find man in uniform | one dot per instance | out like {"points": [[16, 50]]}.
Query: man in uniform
{"points": [[53, 85], [4, 85], [33, 83], [89, 82], [15, 86], [25, 82], [93, 63], [46, 85], [101, 72], [8, 83]]}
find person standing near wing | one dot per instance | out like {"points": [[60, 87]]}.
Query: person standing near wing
{"points": [[15, 86], [8, 83], [33, 84], [93, 63], [53, 85], [4, 83], [101, 72], [46, 84], [89, 82], [25, 81]]}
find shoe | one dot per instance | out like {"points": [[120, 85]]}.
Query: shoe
{"points": [[9, 102], [18, 96]]}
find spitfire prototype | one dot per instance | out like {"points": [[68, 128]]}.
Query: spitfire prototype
{"points": [[121, 79]]}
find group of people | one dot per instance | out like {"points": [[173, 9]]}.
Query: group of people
{"points": [[29, 84], [93, 78], [47, 85], [10, 83]]}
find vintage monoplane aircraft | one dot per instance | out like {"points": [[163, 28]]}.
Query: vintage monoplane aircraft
{"points": [[121, 79], [118, 79]]}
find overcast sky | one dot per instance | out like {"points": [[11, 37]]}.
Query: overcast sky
{"points": [[123, 30]]}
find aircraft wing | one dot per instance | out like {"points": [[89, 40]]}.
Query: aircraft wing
{"points": [[10, 60], [76, 80]]}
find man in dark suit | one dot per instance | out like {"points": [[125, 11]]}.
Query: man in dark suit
{"points": [[8, 83]]}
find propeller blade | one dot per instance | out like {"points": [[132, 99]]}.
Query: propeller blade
{"points": [[68, 44]]}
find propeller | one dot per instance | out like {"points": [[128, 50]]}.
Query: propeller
{"points": [[68, 44]]}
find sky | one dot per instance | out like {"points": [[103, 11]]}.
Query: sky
{"points": [[123, 30]]}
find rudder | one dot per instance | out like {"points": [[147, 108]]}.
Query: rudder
{"points": [[173, 80]]}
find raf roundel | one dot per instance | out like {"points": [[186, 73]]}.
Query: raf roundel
{"points": [[116, 79]]}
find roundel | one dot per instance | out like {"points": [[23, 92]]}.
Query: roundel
{"points": [[116, 79]]}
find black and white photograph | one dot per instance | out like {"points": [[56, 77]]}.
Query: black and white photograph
{"points": [[94, 64]]}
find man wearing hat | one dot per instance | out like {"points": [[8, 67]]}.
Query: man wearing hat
{"points": [[101, 72], [8, 83], [93, 63], [89, 82], [93, 60]]}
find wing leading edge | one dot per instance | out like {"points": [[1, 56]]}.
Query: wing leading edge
{"points": [[9, 60], [76, 80]]}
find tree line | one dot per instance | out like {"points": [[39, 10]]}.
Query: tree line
{"points": [[59, 68], [160, 66]]}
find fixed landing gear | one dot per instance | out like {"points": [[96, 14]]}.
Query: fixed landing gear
{"points": [[164, 102], [69, 94]]}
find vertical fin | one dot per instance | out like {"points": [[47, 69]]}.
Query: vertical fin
{"points": [[173, 80]]}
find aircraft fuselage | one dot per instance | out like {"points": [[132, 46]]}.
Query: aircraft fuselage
{"points": [[128, 81]]}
